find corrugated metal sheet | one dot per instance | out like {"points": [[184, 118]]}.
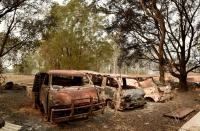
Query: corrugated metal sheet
{"points": [[180, 112]]}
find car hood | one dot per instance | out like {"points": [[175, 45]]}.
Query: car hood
{"points": [[79, 95]]}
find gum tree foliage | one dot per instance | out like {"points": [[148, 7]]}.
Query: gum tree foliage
{"points": [[181, 50], [139, 25], [147, 26], [20, 27], [74, 39], [26, 65], [9, 6]]}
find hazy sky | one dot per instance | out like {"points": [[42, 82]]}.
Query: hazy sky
{"points": [[59, 1]]}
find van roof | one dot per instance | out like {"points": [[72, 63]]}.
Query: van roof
{"points": [[67, 72]]}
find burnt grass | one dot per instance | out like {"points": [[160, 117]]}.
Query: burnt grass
{"points": [[17, 108]]}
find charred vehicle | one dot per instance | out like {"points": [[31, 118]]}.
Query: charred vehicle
{"points": [[119, 89], [154, 91], [66, 94]]}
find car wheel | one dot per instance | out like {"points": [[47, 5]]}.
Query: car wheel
{"points": [[110, 104]]}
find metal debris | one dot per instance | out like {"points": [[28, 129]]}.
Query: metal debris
{"points": [[179, 113], [10, 127]]}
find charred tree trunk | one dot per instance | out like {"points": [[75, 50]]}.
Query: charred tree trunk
{"points": [[183, 74], [161, 71], [183, 82]]}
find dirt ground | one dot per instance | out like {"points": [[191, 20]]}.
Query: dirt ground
{"points": [[17, 108], [19, 78]]}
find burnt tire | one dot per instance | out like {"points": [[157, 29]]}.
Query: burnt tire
{"points": [[110, 104], [2, 123]]}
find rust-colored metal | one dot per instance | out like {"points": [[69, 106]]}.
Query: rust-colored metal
{"points": [[116, 89], [67, 72], [66, 98], [180, 112], [72, 109], [136, 77], [156, 92]]}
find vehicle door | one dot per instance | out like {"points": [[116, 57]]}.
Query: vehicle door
{"points": [[44, 92], [110, 87]]}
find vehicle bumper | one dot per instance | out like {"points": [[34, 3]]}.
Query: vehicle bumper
{"points": [[76, 112]]}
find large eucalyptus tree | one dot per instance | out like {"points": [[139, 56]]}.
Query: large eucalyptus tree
{"points": [[166, 32]]}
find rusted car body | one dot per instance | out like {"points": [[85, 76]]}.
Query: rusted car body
{"points": [[152, 90], [155, 92], [116, 88], [66, 94]]}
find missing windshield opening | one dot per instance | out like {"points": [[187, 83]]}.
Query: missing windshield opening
{"points": [[69, 81]]}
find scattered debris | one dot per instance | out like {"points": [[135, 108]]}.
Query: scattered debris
{"points": [[179, 113], [194, 83], [11, 86], [10, 127], [195, 86], [192, 125]]}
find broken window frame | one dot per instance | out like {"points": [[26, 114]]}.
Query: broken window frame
{"points": [[51, 80]]}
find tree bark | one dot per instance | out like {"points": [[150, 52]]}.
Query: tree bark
{"points": [[161, 71], [183, 82], [1, 65], [183, 73], [161, 22], [152, 11]]}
